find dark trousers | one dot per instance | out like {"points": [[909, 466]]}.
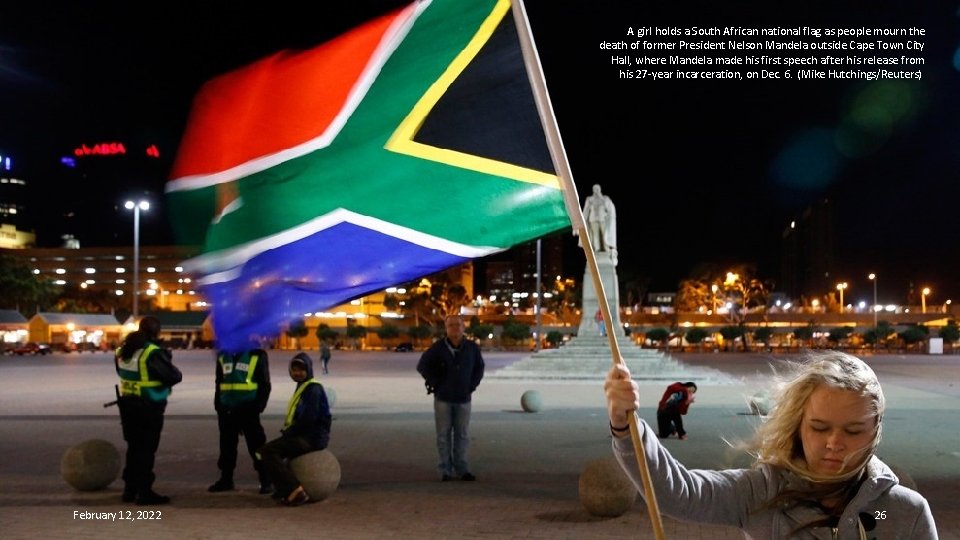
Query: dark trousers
{"points": [[142, 423], [232, 423], [668, 421], [276, 456]]}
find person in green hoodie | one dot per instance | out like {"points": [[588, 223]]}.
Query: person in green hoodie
{"points": [[306, 428]]}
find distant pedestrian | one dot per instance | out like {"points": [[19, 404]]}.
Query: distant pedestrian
{"points": [[452, 369], [147, 375], [241, 392], [325, 357], [675, 402], [306, 428], [598, 316]]}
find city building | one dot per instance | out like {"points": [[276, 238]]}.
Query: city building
{"points": [[808, 256], [162, 283], [14, 230]]}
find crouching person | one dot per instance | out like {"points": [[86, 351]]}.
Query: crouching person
{"points": [[306, 428]]}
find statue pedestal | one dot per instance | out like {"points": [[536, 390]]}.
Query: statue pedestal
{"points": [[608, 276], [588, 357]]}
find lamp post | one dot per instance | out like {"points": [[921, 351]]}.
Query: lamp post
{"points": [[841, 287], [923, 299], [136, 207], [873, 278]]}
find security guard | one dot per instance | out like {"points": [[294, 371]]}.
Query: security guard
{"points": [[146, 377], [241, 394]]}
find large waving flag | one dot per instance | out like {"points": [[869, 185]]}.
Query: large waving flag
{"points": [[402, 147]]}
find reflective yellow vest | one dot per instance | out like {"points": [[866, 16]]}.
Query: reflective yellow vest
{"points": [[238, 385], [295, 399], [135, 377]]}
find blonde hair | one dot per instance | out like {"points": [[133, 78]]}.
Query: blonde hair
{"points": [[777, 441]]}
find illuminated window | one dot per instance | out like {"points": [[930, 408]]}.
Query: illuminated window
{"points": [[121, 270]]}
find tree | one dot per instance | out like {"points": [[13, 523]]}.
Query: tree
{"points": [[563, 303], [325, 333], [388, 331], [695, 336], [19, 289], [763, 335], [950, 333], [480, 331], [418, 333], [839, 334], [730, 333], [870, 336], [356, 332], [516, 332], [913, 334], [554, 338], [296, 330], [692, 295], [658, 335], [803, 334]]}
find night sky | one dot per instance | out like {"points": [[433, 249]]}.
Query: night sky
{"points": [[700, 171]]}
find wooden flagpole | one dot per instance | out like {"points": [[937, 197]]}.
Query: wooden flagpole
{"points": [[531, 60]]}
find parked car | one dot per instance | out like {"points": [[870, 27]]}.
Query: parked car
{"points": [[31, 347], [404, 347]]}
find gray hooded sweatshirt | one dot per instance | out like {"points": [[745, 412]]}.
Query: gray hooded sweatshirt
{"points": [[737, 498]]}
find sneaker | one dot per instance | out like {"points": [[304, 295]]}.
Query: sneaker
{"points": [[682, 437], [221, 485], [467, 477], [297, 497], [446, 478], [150, 498], [265, 488]]}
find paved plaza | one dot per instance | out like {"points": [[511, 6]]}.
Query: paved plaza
{"points": [[528, 464]]}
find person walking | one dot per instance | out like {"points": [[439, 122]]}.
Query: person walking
{"points": [[147, 375], [306, 428], [452, 368], [675, 403], [815, 472], [325, 356], [241, 392]]}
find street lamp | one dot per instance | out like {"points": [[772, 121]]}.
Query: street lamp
{"points": [[923, 299], [136, 207], [873, 278], [841, 287]]}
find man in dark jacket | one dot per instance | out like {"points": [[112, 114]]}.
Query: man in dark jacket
{"points": [[306, 428], [452, 369], [675, 402], [241, 393], [146, 377]]}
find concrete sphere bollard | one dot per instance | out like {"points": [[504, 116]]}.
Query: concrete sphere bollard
{"points": [[530, 401], [761, 403], [318, 472], [605, 490], [90, 465], [331, 395]]}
